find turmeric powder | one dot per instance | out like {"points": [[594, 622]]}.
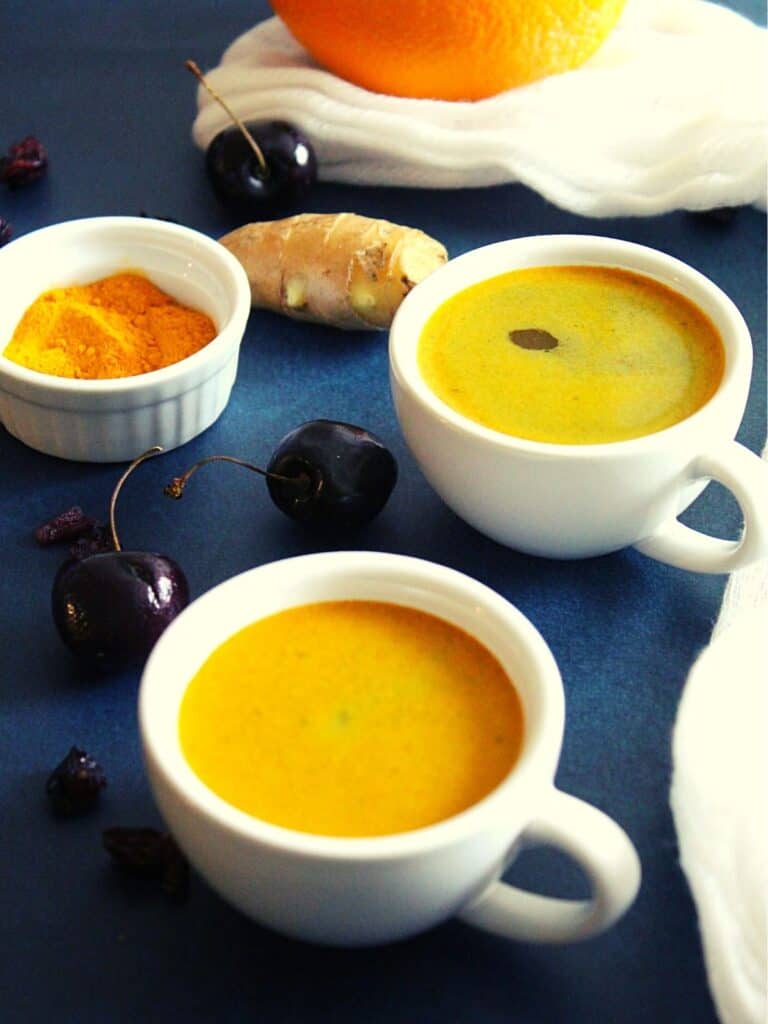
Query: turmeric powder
{"points": [[118, 326]]}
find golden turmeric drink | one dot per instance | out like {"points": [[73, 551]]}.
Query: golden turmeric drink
{"points": [[572, 354], [351, 718]]}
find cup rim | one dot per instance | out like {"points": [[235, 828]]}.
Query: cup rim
{"points": [[227, 267], [535, 766], [425, 298]]}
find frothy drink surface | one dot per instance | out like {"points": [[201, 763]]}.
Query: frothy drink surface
{"points": [[351, 718], [572, 354]]}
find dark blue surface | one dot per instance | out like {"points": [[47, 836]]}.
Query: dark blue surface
{"points": [[104, 87]]}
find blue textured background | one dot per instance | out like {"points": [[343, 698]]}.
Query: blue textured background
{"points": [[103, 85]]}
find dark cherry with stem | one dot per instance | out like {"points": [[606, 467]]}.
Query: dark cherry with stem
{"points": [[264, 168], [110, 608], [324, 474]]}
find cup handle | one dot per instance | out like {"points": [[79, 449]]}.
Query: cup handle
{"points": [[746, 476], [603, 851]]}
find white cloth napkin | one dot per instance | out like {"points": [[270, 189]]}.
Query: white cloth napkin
{"points": [[670, 113], [719, 798]]}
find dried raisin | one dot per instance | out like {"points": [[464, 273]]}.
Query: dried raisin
{"points": [[74, 785]]}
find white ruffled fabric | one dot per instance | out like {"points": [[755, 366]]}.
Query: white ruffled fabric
{"points": [[719, 798], [669, 114]]}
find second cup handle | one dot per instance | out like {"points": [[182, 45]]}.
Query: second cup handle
{"points": [[603, 851], [746, 476]]}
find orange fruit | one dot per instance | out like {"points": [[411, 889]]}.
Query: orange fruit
{"points": [[448, 49]]}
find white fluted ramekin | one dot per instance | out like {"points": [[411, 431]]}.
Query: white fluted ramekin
{"points": [[115, 420]]}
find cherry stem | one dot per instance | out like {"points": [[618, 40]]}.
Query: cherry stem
{"points": [[118, 486], [192, 66], [175, 488]]}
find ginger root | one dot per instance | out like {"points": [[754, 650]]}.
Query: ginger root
{"points": [[334, 268]]}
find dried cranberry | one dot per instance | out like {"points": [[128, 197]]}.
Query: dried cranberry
{"points": [[25, 162], [90, 536], [6, 232], [149, 854], [67, 525], [74, 786]]}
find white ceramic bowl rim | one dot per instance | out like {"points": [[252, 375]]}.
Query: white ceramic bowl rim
{"points": [[153, 228], [535, 766], [596, 250]]}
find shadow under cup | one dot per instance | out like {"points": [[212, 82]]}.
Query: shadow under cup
{"points": [[579, 500], [362, 891]]}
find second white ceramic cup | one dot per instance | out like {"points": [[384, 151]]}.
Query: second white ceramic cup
{"points": [[573, 501], [352, 892]]}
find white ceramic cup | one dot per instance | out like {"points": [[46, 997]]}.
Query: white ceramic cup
{"points": [[573, 501], [362, 891]]}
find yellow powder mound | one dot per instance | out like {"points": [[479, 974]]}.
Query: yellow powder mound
{"points": [[119, 326]]}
